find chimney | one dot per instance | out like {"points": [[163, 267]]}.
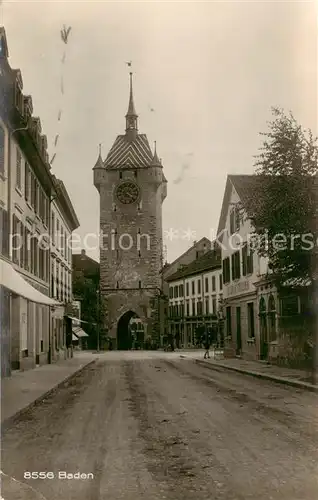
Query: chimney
{"points": [[83, 253], [195, 242]]}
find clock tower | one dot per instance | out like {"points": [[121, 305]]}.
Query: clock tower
{"points": [[132, 188]]}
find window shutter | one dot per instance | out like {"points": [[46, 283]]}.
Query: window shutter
{"points": [[2, 148], [244, 255], [231, 223], [233, 266], [237, 219]]}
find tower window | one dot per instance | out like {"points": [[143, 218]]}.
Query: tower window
{"points": [[135, 173], [139, 253], [117, 254], [139, 284], [114, 207], [120, 175], [117, 284]]}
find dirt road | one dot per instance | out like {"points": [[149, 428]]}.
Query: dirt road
{"points": [[160, 427]]}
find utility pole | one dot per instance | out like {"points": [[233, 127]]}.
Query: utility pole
{"points": [[98, 317]]}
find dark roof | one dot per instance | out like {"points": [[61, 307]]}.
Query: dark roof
{"points": [[246, 187], [65, 201], [245, 184], [195, 244], [207, 262], [129, 154], [83, 263]]}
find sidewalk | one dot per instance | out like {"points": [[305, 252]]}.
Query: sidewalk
{"points": [[259, 369], [23, 389]]}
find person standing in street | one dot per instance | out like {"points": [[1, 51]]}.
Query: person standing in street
{"points": [[207, 347]]}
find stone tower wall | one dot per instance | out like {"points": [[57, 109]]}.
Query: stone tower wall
{"points": [[130, 277]]}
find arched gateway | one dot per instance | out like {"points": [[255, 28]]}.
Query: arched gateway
{"points": [[130, 331], [124, 337]]}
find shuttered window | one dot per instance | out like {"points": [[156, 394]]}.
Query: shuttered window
{"points": [[4, 232], [26, 181], [18, 168], [2, 150]]}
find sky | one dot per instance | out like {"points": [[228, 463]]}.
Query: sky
{"points": [[211, 71]]}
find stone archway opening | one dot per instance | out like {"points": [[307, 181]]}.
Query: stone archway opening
{"points": [[124, 336]]}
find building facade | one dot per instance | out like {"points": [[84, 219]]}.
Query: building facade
{"points": [[242, 268], [132, 188], [27, 188], [63, 222], [86, 290], [194, 252], [261, 323], [195, 296]]}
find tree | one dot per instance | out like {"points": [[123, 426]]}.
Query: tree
{"points": [[283, 207], [86, 289]]}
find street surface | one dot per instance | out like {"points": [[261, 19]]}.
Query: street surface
{"points": [[150, 425]]}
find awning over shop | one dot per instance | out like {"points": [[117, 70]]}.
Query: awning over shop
{"points": [[78, 320], [79, 332], [74, 339], [13, 281]]}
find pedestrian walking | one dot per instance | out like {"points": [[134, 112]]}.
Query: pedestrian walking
{"points": [[110, 344], [207, 348], [172, 344], [177, 338]]}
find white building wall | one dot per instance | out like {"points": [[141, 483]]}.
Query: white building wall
{"points": [[240, 292], [25, 214], [199, 295], [29, 321], [234, 242], [61, 242], [4, 174]]}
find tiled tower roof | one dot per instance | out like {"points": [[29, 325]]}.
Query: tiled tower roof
{"points": [[129, 154]]}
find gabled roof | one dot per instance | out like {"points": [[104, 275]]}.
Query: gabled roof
{"points": [[18, 77], [83, 263], [28, 102], [196, 244], [207, 262], [66, 203], [129, 154], [244, 185]]}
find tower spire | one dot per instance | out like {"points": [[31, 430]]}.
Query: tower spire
{"points": [[131, 116], [155, 159], [99, 163]]}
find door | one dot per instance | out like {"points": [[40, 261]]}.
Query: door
{"points": [[263, 329], [238, 331], [263, 337]]}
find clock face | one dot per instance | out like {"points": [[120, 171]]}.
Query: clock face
{"points": [[127, 192]]}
